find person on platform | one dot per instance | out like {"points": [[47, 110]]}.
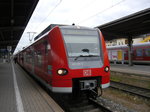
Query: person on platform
{"points": [[15, 59]]}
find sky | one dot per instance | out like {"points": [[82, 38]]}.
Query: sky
{"points": [[89, 13]]}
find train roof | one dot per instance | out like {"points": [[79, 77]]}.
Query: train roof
{"points": [[77, 27], [125, 46], [50, 27], [47, 30]]}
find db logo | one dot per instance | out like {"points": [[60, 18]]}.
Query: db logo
{"points": [[87, 73]]}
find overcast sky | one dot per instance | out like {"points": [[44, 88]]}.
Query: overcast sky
{"points": [[88, 13]]}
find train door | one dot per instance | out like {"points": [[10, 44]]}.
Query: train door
{"points": [[45, 43], [120, 56], [33, 61], [24, 57], [47, 61]]}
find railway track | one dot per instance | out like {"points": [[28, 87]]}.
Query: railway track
{"points": [[86, 105], [80, 104], [142, 92], [71, 104]]}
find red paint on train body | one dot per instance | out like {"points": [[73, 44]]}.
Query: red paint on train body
{"points": [[69, 58], [140, 53]]}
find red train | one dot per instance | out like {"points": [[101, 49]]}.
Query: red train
{"points": [[69, 59], [140, 53]]}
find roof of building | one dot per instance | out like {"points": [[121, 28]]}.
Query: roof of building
{"points": [[129, 26]]}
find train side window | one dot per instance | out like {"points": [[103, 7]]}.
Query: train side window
{"points": [[139, 52], [125, 53], [46, 47], [29, 58], [147, 52], [24, 56], [39, 58]]}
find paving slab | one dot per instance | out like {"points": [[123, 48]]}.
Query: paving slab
{"points": [[142, 70], [27, 92]]}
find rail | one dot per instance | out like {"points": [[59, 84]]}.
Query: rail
{"points": [[143, 92]]}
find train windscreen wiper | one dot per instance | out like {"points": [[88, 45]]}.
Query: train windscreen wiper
{"points": [[86, 56]]}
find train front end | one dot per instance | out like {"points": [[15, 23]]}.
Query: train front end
{"points": [[83, 61]]}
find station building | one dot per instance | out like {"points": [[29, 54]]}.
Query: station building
{"points": [[123, 41]]}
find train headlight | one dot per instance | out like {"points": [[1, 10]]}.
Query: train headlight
{"points": [[62, 71], [106, 69]]}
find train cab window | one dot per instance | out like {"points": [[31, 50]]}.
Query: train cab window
{"points": [[147, 52], [139, 52], [77, 40], [83, 47]]}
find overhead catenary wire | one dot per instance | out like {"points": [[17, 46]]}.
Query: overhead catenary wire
{"points": [[82, 8], [38, 8], [51, 11], [100, 12]]}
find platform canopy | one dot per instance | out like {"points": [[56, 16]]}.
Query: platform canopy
{"points": [[14, 17], [130, 26]]}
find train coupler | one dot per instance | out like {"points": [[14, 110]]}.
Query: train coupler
{"points": [[95, 93]]}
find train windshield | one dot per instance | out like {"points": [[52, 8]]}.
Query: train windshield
{"points": [[82, 44]]}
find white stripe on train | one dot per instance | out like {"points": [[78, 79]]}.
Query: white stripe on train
{"points": [[69, 89]]}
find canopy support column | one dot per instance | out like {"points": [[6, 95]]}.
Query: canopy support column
{"points": [[130, 51]]}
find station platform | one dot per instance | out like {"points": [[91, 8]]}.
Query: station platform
{"points": [[141, 70], [20, 93]]}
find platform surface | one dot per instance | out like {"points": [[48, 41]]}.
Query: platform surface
{"points": [[143, 70], [20, 93]]}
